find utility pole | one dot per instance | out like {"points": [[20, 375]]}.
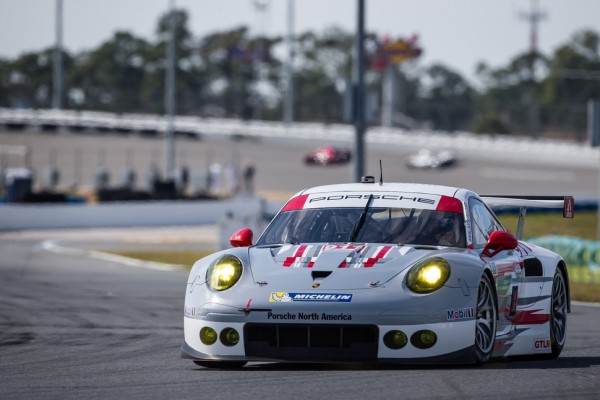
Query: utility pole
{"points": [[288, 107], [170, 96], [259, 52], [534, 16], [57, 72], [358, 85]]}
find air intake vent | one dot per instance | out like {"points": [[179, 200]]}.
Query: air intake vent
{"points": [[315, 342], [320, 274], [533, 267]]}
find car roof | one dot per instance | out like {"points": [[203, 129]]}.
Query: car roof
{"points": [[385, 187]]}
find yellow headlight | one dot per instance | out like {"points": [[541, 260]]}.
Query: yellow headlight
{"points": [[428, 276], [229, 337], [224, 272], [208, 335], [423, 339], [395, 339]]}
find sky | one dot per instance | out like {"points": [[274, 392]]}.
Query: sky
{"points": [[457, 33]]}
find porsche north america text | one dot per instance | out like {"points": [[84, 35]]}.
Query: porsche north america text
{"points": [[309, 316]]}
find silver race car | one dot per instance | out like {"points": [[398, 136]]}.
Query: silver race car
{"points": [[384, 272]]}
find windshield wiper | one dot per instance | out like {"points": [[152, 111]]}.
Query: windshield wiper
{"points": [[361, 221]]}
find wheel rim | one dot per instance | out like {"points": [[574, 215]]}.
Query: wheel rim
{"points": [[559, 309], [485, 331]]}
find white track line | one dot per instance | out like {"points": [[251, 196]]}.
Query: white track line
{"points": [[50, 245], [583, 303]]}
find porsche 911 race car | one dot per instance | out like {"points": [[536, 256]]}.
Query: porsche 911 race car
{"points": [[426, 158], [385, 272]]}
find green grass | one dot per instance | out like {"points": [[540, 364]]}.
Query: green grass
{"points": [[187, 258], [585, 292], [542, 224], [583, 226]]}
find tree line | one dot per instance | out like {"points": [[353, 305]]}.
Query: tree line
{"points": [[234, 74]]}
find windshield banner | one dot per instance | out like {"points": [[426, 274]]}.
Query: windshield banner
{"points": [[382, 199]]}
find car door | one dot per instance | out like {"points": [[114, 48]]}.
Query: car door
{"points": [[506, 266]]}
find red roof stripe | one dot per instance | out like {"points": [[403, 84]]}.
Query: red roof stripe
{"points": [[297, 203], [450, 204]]}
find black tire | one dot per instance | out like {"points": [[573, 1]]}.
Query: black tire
{"points": [[486, 321], [221, 364], [558, 314]]}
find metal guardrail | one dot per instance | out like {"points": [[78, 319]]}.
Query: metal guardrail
{"points": [[519, 147]]}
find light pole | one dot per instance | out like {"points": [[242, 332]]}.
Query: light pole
{"points": [[170, 96], [57, 73], [533, 17], [288, 107], [358, 80], [258, 55]]}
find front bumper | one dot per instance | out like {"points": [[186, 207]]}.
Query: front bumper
{"points": [[312, 342]]}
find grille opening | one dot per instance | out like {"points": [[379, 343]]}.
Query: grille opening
{"points": [[292, 337], [324, 336], [358, 336], [267, 335], [311, 342]]}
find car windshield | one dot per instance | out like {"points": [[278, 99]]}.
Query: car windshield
{"points": [[381, 225]]}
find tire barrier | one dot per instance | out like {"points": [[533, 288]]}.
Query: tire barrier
{"points": [[583, 274], [582, 256]]}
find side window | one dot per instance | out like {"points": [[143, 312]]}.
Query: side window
{"points": [[483, 223]]}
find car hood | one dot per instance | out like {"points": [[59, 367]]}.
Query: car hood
{"points": [[332, 266]]}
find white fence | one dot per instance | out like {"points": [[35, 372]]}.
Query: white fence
{"points": [[515, 147]]}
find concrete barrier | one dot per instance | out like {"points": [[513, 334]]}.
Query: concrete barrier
{"points": [[127, 214]]}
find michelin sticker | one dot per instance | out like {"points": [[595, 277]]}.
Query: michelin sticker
{"points": [[285, 297]]}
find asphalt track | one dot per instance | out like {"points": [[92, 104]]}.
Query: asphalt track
{"points": [[281, 172], [74, 327]]}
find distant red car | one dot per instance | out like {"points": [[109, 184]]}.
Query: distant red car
{"points": [[328, 155]]}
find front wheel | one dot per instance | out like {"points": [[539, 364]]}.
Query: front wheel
{"points": [[221, 364], [486, 321]]}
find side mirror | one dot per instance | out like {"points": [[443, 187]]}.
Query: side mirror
{"points": [[499, 241], [242, 238]]}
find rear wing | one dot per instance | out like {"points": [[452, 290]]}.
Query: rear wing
{"points": [[567, 203]]}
